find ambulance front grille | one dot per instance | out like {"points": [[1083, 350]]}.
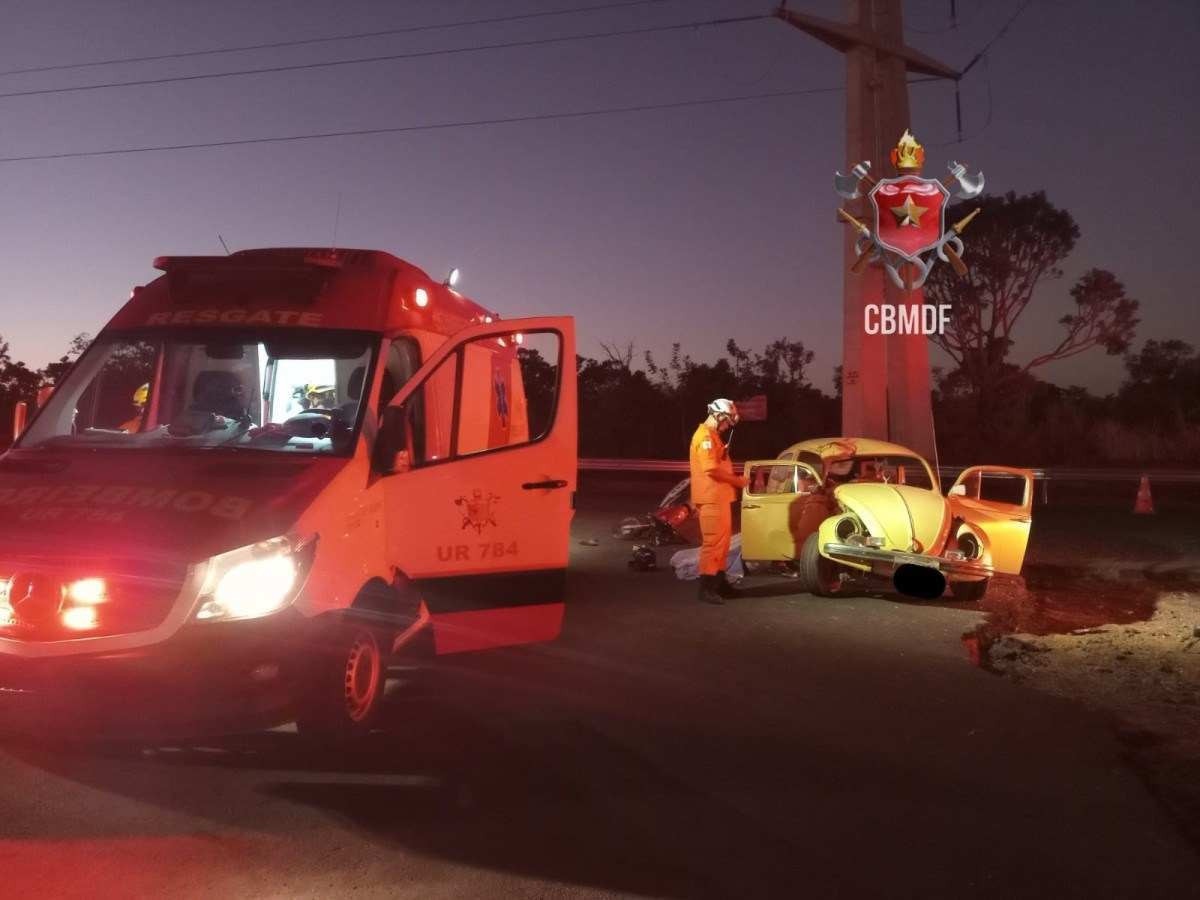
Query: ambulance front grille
{"points": [[137, 596]]}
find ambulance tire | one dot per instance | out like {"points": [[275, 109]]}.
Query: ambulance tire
{"points": [[345, 692], [817, 574]]}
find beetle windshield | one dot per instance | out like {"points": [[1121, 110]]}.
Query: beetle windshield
{"points": [[285, 389]]}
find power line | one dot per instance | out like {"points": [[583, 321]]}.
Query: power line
{"points": [[274, 45], [982, 55], [532, 42], [436, 126], [955, 25], [999, 34], [988, 121]]}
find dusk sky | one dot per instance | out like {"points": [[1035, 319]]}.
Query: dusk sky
{"points": [[694, 224]]}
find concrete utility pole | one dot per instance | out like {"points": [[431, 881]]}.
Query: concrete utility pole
{"points": [[886, 385]]}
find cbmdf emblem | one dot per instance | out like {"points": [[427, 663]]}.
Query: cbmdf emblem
{"points": [[907, 233]]}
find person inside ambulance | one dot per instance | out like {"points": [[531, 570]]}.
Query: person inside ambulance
{"points": [[321, 396], [140, 397], [218, 399], [320, 416], [220, 392], [714, 488]]}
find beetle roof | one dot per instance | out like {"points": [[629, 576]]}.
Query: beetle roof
{"points": [[845, 447]]}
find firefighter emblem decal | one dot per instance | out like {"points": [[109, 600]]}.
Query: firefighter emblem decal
{"points": [[907, 233], [478, 510]]}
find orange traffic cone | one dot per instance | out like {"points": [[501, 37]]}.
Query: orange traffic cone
{"points": [[1144, 504]]}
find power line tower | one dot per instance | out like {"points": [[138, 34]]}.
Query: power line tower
{"points": [[886, 384]]}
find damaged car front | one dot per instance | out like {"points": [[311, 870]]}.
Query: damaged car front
{"points": [[904, 533]]}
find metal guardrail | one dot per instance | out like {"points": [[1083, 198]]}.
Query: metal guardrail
{"points": [[1064, 475]]}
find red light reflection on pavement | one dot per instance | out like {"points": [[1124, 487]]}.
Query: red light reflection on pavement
{"points": [[141, 866]]}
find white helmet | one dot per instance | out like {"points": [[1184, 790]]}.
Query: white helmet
{"points": [[724, 409]]}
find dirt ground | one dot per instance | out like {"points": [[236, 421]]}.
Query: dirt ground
{"points": [[1108, 614]]}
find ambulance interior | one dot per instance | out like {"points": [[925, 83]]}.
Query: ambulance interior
{"points": [[296, 390], [290, 390]]}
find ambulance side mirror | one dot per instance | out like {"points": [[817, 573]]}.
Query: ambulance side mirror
{"points": [[20, 415], [401, 462], [391, 446]]}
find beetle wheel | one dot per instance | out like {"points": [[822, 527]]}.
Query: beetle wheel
{"points": [[817, 574]]}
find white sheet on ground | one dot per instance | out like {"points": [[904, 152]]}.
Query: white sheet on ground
{"points": [[686, 563]]}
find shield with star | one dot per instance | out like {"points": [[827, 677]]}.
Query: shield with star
{"points": [[910, 214]]}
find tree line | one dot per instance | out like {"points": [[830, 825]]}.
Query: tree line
{"points": [[635, 407], [18, 382], [650, 411]]}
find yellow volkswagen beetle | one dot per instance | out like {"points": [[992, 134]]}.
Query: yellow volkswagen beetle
{"points": [[840, 508]]}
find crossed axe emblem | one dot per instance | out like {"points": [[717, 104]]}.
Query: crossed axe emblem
{"points": [[949, 248]]}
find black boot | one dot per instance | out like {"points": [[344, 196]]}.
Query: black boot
{"points": [[724, 587], [708, 590]]}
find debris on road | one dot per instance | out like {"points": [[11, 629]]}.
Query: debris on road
{"points": [[671, 522], [633, 527], [643, 559], [589, 542]]}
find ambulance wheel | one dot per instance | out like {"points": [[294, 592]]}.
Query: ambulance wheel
{"points": [[346, 690], [969, 591], [817, 574]]}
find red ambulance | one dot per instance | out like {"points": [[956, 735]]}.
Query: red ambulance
{"points": [[269, 473]]}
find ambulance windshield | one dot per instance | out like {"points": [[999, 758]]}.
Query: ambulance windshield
{"points": [[286, 389]]}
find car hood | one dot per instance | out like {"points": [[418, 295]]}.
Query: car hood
{"points": [[182, 507], [897, 512]]}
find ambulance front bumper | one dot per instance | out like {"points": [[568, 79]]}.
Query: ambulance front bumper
{"points": [[204, 677], [886, 562]]}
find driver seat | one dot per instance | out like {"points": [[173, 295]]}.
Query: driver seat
{"points": [[221, 392], [354, 389]]}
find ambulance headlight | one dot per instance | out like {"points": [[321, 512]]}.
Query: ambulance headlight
{"points": [[256, 580]]}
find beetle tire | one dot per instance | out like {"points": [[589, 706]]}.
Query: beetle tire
{"points": [[345, 690], [969, 591], [817, 574]]}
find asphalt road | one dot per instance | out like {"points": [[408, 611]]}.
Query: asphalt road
{"points": [[780, 746]]}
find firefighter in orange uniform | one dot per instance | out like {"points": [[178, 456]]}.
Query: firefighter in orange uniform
{"points": [[140, 396], [714, 489]]}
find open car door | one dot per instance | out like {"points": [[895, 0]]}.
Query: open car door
{"points": [[479, 454], [781, 506], [999, 501]]}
